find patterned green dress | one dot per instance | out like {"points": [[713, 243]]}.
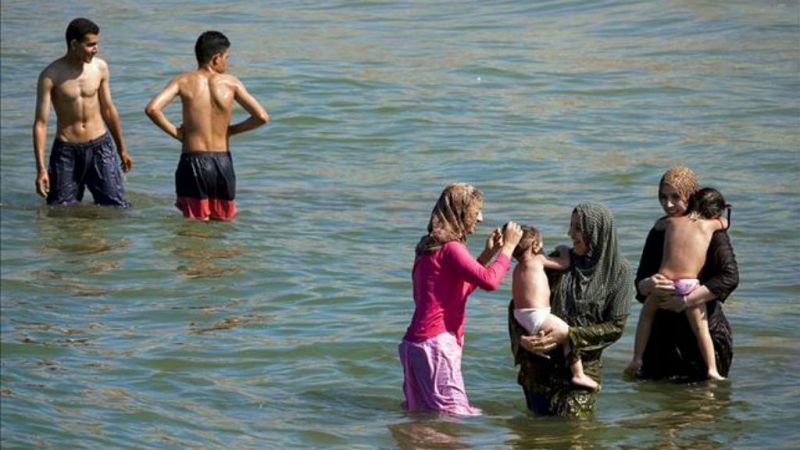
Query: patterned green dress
{"points": [[592, 296]]}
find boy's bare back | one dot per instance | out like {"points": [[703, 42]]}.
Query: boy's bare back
{"points": [[529, 287], [207, 95], [207, 100], [686, 243]]}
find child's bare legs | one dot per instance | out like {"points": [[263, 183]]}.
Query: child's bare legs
{"points": [[699, 323], [578, 377], [643, 328]]}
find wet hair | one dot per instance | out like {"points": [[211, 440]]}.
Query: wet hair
{"points": [[79, 28], [682, 179], [531, 237], [708, 203], [209, 44]]}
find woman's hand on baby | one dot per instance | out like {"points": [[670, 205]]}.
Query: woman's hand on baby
{"points": [[534, 345], [512, 233], [495, 240], [554, 332], [657, 285], [527, 343]]}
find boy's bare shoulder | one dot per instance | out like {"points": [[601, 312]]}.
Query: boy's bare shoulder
{"points": [[539, 258], [715, 224], [185, 80], [53, 69], [100, 63], [229, 79], [101, 66], [183, 76]]}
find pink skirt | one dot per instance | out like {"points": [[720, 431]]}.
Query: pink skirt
{"points": [[432, 376]]}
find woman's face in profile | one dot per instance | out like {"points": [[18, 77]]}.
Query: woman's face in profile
{"points": [[672, 201], [476, 217], [576, 234]]}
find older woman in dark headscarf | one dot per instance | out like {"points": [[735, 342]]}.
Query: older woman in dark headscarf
{"points": [[591, 298]]}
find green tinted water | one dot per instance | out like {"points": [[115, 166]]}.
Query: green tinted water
{"points": [[137, 329]]}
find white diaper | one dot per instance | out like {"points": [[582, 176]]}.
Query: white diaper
{"points": [[531, 318]]}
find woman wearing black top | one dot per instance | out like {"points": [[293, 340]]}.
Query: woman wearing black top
{"points": [[672, 350]]}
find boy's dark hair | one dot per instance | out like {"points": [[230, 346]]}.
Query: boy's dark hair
{"points": [[707, 202], [79, 28], [209, 44], [530, 237]]}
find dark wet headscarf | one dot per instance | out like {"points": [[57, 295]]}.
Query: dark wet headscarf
{"points": [[450, 217], [597, 287]]}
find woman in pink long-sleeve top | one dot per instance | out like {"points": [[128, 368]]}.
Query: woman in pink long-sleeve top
{"points": [[444, 275]]}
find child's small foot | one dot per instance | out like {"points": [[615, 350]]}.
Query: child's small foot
{"points": [[714, 375], [633, 368], [585, 382]]}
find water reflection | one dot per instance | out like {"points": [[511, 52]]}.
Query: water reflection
{"points": [[428, 434], [683, 415], [78, 230], [77, 238], [200, 246], [552, 432]]}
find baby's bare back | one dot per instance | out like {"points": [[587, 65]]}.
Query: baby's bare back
{"points": [[529, 286], [686, 243], [207, 105]]}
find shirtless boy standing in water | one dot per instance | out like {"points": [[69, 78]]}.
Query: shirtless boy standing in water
{"points": [[205, 183], [83, 152]]}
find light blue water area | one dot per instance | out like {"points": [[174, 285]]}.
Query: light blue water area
{"points": [[138, 329]]}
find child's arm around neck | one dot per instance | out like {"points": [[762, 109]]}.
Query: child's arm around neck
{"points": [[558, 262]]}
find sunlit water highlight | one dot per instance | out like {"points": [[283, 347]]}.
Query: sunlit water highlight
{"points": [[137, 329]]}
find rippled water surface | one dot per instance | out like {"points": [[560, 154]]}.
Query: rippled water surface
{"points": [[138, 329]]}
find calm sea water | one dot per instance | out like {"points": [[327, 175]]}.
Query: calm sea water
{"points": [[138, 329]]}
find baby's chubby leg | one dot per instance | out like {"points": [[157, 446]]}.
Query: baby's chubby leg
{"points": [[579, 378]]}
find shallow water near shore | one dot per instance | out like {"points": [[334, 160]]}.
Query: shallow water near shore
{"points": [[138, 329]]}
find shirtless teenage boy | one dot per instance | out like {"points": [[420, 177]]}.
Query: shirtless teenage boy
{"points": [[83, 152], [205, 183], [686, 242]]}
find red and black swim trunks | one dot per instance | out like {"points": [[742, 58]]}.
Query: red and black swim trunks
{"points": [[206, 185]]}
